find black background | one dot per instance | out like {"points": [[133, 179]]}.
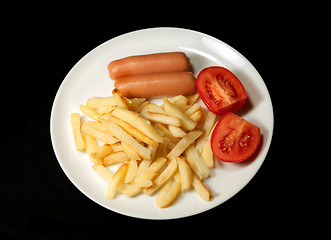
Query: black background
{"points": [[40, 201]]}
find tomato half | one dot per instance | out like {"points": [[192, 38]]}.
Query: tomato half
{"points": [[220, 90], [234, 139]]}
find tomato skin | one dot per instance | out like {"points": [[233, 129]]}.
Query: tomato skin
{"points": [[220, 90], [234, 139]]}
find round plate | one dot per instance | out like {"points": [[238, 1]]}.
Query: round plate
{"points": [[89, 77]]}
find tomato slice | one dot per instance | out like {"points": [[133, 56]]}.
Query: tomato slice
{"points": [[220, 90], [234, 139]]}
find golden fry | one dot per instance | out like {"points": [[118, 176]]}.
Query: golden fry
{"points": [[184, 143], [76, 124], [103, 172], [102, 151], [116, 181]]}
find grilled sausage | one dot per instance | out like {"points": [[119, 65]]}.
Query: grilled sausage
{"points": [[157, 84], [147, 64]]}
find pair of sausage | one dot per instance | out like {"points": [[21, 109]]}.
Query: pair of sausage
{"points": [[153, 75]]}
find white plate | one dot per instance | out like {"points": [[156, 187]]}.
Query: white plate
{"points": [[89, 77]]}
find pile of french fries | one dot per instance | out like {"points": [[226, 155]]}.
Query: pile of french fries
{"points": [[161, 150]]}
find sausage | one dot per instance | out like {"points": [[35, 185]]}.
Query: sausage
{"points": [[150, 63], [157, 84]]}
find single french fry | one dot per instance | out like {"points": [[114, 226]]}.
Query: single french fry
{"points": [[132, 190], [162, 150], [132, 171], [162, 194], [193, 98], [173, 110], [96, 102], [177, 178], [201, 189], [207, 153], [131, 154], [103, 172], [161, 118], [90, 146], [115, 157], [89, 112], [196, 116], [176, 131], [163, 177], [208, 125], [199, 163], [192, 165], [105, 137], [96, 125], [184, 143], [102, 151], [144, 164], [151, 107], [120, 102], [159, 131], [167, 133], [185, 174], [76, 130], [123, 136], [168, 193], [144, 180], [117, 147], [138, 122], [134, 103], [180, 101], [153, 151], [171, 145], [117, 181], [105, 109], [195, 107], [142, 106]]}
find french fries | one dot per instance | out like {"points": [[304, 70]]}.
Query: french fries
{"points": [[138, 122], [168, 193], [75, 124], [134, 132], [116, 181], [161, 118], [163, 177], [115, 157], [207, 153], [176, 131], [184, 143], [102, 151], [103, 172], [185, 173], [173, 110], [123, 136], [96, 102], [132, 171], [159, 149], [209, 123], [201, 189], [89, 112], [144, 180], [105, 137], [192, 154], [90, 146]]}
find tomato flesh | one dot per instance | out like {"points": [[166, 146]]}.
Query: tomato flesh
{"points": [[220, 90], [234, 139]]}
